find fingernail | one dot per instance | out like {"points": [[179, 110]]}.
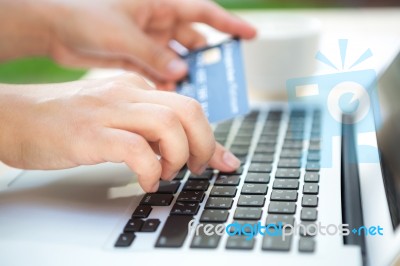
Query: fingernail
{"points": [[231, 160], [201, 169], [155, 187], [176, 66]]}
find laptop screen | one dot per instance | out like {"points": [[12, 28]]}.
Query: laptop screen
{"points": [[388, 135]]}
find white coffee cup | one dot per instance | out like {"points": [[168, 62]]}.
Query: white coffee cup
{"points": [[284, 48]]}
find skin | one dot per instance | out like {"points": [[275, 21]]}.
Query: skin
{"points": [[123, 119], [133, 35]]}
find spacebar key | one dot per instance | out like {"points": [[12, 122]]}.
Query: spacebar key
{"points": [[174, 231]]}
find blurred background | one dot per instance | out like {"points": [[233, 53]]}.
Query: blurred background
{"points": [[44, 70]]}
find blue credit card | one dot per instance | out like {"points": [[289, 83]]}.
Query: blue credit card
{"points": [[216, 79]]}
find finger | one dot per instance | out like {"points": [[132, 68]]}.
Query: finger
{"points": [[198, 131], [152, 57], [155, 147], [223, 160], [156, 123], [71, 58], [118, 146], [140, 53], [213, 15], [189, 37], [166, 86]]}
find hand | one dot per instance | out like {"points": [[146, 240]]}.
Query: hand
{"points": [[129, 34], [115, 120]]}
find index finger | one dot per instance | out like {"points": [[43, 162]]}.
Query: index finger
{"points": [[210, 13], [198, 131]]}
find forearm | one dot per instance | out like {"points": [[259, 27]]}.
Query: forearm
{"points": [[24, 28]]}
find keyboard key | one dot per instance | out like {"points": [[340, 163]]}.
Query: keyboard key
{"points": [[254, 189], [313, 157], [239, 141], [267, 140], [293, 144], [311, 177], [308, 229], [181, 174], [133, 225], [214, 216], [289, 163], [221, 139], [285, 184], [238, 171], [190, 196], [240, 242], [314, 146], [262, 158], [168, 187], [204, 241], [174, 231], [223, 191], [295, 128], [310, 188], [309, 201], [125, 240], [157, 199], [224, 126], [185, 208], [271, 127], [279, 218], [142, 211], [219, 203], [227, 180], [242, 159], [241, 226], [287, 173], [306, 244], [150, 225], [198, 185], [276, 242], [262, 178], [239, 149], [294, 136], [206, 175], [251, 201], [309, 214], [274, 115], [284, 195], [263, 148], [260, 168], [243, 213], [282, 207], [289, 153], [312, 166], [244, 133]]}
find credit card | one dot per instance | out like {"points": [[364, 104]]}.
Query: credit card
{"points": [[216, 80]]}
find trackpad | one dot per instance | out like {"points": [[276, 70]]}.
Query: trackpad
{"points": [[79, 206]]}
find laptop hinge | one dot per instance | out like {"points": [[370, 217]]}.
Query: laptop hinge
{"points": [[350, 186]]}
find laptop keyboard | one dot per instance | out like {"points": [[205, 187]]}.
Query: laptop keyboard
{"points": [[278, 178]]}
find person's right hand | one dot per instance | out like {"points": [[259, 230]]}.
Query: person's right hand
{"points": [[121, 119], [129, 34]]}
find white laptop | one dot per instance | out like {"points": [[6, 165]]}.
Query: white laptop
{"points": [[100, 216]]}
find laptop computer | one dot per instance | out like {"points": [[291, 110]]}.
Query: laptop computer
{"points": [[98, 215]]}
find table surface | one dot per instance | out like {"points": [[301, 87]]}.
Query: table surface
{"points": [[374, 28]]}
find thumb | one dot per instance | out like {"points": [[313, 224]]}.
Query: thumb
{"points": [[158, 59]]}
